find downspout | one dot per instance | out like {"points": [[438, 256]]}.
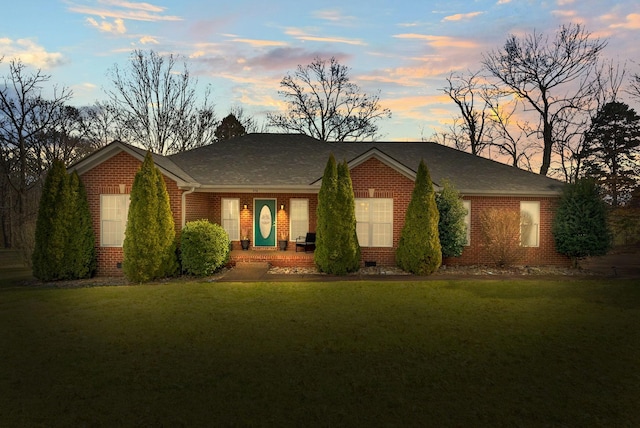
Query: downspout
{"points": [[184, 205]]}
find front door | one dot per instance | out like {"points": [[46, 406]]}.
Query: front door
{"points": [[264, 223]]}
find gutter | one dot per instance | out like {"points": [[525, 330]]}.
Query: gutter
{"points": [[184, 204]]}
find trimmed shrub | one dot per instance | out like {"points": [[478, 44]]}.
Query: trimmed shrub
{"points": [[204, 247], [149, 243], [451, 227], [52, 225], [80, 253], [326, 229], [419, 250], [580, 225], [500, 230], [348, 257]]}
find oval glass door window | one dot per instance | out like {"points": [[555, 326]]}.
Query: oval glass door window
{"points": [[265, 222]]}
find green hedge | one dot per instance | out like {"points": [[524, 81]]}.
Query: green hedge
{"points": [[204, 247]]}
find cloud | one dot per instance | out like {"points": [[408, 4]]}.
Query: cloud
{"points": [[115, 27], [258, 43], [334, 16], [439, 41], [304, 36], [632, 22], [30, 53], [462, 16], [145, 40], [125, 10]]}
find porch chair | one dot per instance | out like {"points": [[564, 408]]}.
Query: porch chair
{"points": [[307, 242]]}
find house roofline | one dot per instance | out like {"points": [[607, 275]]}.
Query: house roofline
{"points": [[254, 189]]}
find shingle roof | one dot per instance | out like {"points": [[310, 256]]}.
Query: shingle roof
{"points": [[291, 160]]}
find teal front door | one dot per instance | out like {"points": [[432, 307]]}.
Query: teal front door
{"points": [[264, 223]]}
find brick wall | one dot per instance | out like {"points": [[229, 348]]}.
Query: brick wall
{"points": [[106, 178]]}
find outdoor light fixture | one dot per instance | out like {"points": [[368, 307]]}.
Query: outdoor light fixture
{"points": [[245, 206], [281, 206]]}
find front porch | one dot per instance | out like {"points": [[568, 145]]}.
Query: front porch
{"points": [[272, 256]]}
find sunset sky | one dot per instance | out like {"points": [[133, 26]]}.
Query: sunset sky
{"points": [[242, 48]]}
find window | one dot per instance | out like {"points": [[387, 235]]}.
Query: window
{"points": [[298, 217], [231, 218], [114, 210], [467, 221], [529, 223], [374, 222]]}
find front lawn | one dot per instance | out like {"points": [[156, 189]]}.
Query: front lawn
{"points": [[436, 353]]}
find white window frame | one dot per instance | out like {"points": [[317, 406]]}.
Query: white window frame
{"points": [[467, 221], [230, 217], [373, 226], [298, 218], [114, 210], [530, 223]]}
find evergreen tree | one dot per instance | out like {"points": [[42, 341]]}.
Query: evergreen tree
{"points": [[166, 226], [419, 250], [80, 254], [230, 127], [148, 238], [612, 150], [326, 229], [347, 258], [52, 225], [580, 225], [451, 227]]}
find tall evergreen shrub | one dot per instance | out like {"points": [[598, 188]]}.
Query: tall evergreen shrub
{"points": [[451, 227], [347, 258], [326, 229], [52, 225], [580, 225], [419, 250], [80, 254], [149, 244]]}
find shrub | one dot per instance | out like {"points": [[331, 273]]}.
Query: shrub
{"points": [[419, 250], [500, 230], [326, 229], [52, 225], [451, 227], [204, 247], [149, 243], [80, 253], [580, 225]]}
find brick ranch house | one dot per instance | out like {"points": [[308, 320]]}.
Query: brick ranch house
{"points": [[277, 177]]}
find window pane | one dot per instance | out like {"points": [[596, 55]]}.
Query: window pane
{"points": [[374, 217], [529, 223], [299, 218], [113, 219], [467, 220], [231, 218]]}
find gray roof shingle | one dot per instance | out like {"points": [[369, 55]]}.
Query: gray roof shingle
{"points": [[290, 160]]}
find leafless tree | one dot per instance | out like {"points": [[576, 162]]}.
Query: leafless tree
{"points": [[323, 103], [468, 92], [156, 104], [25, 116], [551, 76]]}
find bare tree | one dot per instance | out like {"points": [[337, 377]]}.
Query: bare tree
{"points": [[467, 91], [25, 116], [324, 104], [156, 104], [550, 76]]}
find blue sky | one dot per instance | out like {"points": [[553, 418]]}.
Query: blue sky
{"points": [[243, 48]]}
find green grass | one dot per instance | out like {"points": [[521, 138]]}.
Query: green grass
{"points": [[436, 353]]}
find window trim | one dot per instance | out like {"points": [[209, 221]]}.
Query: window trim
{"points": [[235, 217], [292, 235], [127, 198], [532, 204], [371, 224]]}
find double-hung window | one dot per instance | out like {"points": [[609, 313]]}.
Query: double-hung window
{"points": [[529, 223], [298, 218], [467, 221], [374, 222], [114, 210], [231, 218]]}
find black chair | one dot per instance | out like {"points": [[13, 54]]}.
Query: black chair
{"points": [[307, 243]]}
